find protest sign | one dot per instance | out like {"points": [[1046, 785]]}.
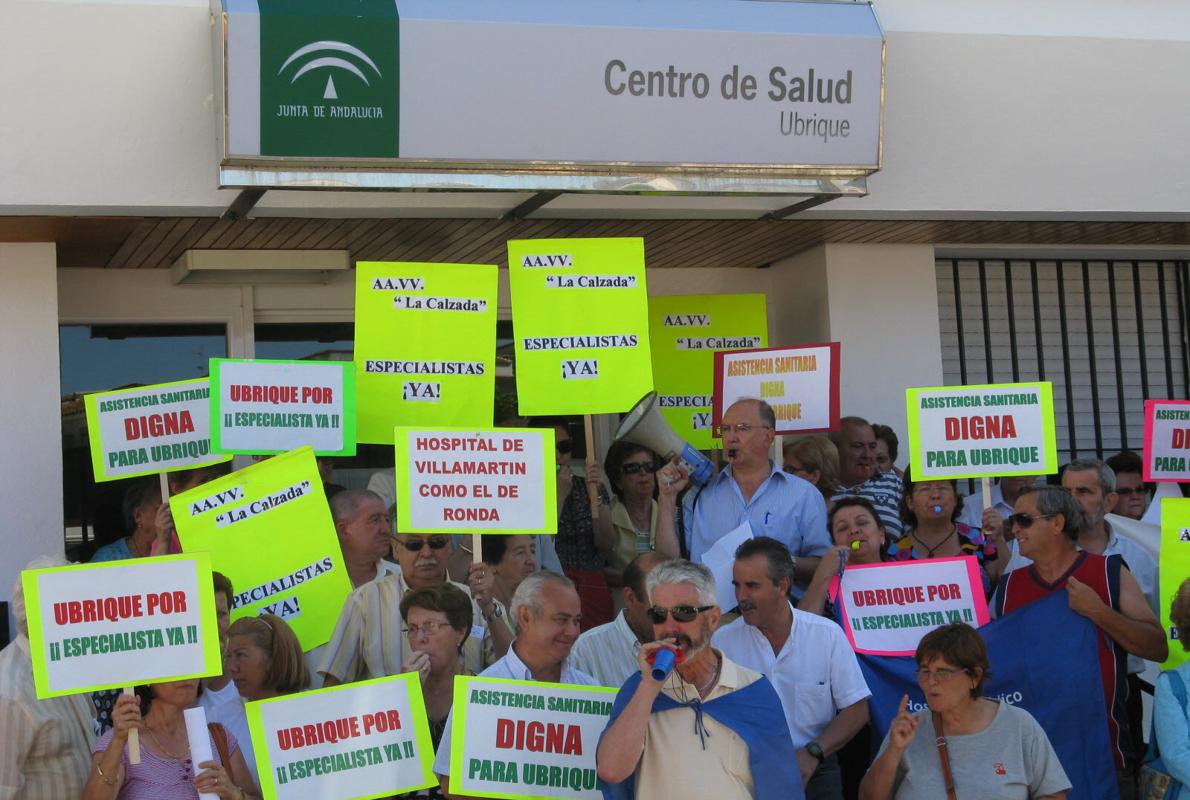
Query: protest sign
{"points": [[1045, 659], [1167, 440], [523, 739], [684, 333], [150, 429], [800, 383], [361, 740], [269, 530], [1173, 567], [452, 480], [580, 318], [116, 624], [425, 346], [982, 431], [887, 608], [260, 407]]}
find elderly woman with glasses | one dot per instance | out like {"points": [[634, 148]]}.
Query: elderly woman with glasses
{"points": [[437, 623], [982, 748], [930, 509]]}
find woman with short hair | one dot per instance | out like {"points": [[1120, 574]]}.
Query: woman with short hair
{"points": [[437, 622], [983, 748], [814, 459]]}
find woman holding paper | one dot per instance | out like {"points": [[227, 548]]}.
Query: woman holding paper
{"points": [[930, 509], [982, 748], [264, 659], [165, 771]]}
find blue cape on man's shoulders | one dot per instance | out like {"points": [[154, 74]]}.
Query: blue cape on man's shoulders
{"points": [[755, 714]]}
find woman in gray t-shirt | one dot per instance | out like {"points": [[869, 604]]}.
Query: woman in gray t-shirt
{"points": [[995, 751]]}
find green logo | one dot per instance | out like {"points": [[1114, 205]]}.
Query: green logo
{"points": [[329, 84]]}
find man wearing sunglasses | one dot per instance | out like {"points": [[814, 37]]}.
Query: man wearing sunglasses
{"points": [[752, 489], [363, 644], [807, 658], [710, 727], [1047, 524]]}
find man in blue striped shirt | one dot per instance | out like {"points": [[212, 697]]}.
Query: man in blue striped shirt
{"points": [[859, 477]]}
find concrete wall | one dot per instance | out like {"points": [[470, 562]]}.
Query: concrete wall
{"points": [[992, 109], [884, 311], [31, 425]]}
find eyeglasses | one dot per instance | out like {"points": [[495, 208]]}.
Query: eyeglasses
{"points": [[658, 615], [425, 629], [564, 446], [637, 467], [1025, 521], [930, 488], [940, 675], [739, 427], [415, 545]]}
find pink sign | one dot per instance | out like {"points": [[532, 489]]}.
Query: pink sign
{"points": [[887, 608], [1167, 440]]}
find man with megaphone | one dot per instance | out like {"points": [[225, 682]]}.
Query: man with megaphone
{"points": [[754, 489]]}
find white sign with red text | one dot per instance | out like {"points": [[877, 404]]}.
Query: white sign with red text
{"points": [[887, 608], [456, 480], [801, 384]]}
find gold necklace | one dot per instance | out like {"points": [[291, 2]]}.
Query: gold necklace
{"points": [[163, 748]]}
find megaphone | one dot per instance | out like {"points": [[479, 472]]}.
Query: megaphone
{"points": [[644, 425]]}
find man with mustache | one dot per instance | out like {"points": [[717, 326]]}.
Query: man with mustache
{"points": [[710, 728], [807, 657], [750, 489], [362, 645], [547, 612]]}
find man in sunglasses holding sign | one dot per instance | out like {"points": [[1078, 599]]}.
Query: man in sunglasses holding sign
{"points": [[362, 646], [706, 728], [754, 489], [1047, 524]]}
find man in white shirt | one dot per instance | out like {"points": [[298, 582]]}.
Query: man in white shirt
{"points": [[1003, 496], [608, 652], [547, 612], [805, 656]]}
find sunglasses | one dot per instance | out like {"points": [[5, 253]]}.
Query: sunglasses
{"points": [[1129, 492], [564, 446], [1024, 521], [658, 615], [415, 545], [637, 468]]}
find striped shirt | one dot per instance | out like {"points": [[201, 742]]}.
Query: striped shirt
{"points": [[159, 778], [368, 641], [45, 745], [883, 489], [607, 652]]}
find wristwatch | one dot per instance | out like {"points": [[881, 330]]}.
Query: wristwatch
{"points": [[815, 749], [497, 612]]}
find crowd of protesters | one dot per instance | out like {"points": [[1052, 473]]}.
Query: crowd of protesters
{"points": [[768, 698]]}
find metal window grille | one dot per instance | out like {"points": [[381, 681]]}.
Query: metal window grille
{"points": [[1108, 334]]}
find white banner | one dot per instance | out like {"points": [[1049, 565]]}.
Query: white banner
{"points": [[887, 608], [489, 481], [366, 739], [522, 739], [801, 384]]}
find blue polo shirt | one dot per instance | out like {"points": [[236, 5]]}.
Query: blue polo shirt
{"points": [[784, 507]]}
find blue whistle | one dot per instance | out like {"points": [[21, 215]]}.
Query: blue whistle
{"points": [[663, 664], [937, 509]]}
